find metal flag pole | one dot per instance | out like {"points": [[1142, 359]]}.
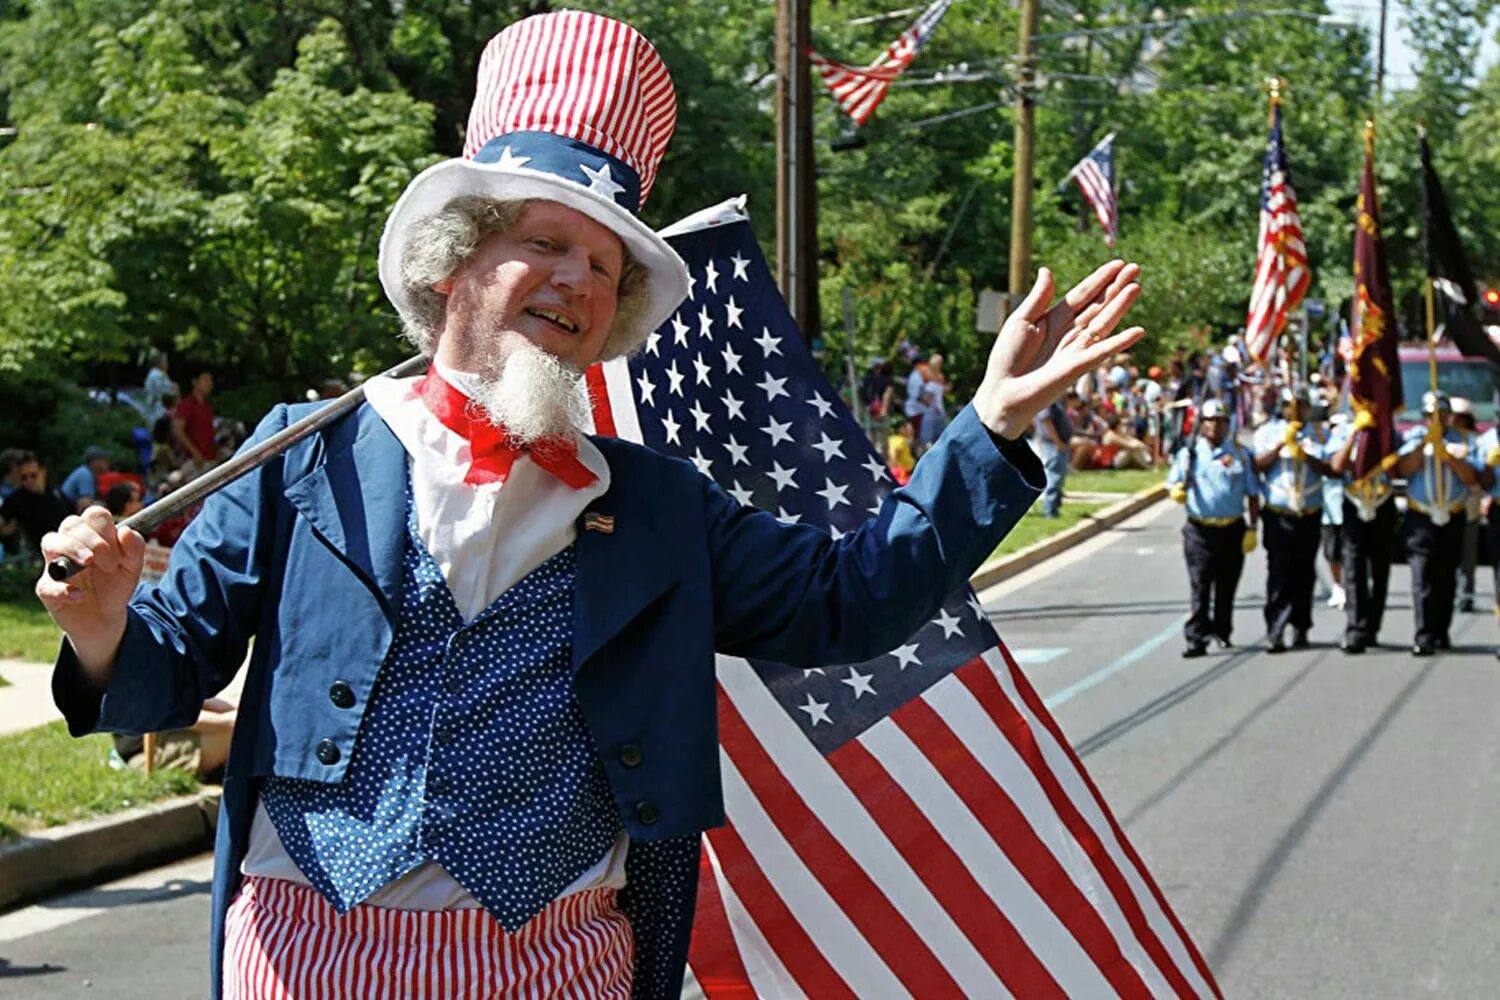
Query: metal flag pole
{"points": [[150, 518]]}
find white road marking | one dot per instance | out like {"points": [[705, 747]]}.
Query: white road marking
{"points": [[1042, 654]]}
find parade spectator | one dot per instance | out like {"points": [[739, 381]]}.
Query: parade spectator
{"points": [[1052, 433], [157, 386], [10, 474], [123, 499], [33, 510], [934, 407], [1087, 435], [81, 488], [193, 423], [877, 392], [1120, 450], [164, 456], [898, 453], [916, 383]]}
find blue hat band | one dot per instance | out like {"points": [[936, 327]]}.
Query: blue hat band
{"points": [[570, 159]]}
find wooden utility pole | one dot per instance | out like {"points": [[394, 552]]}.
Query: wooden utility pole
{"points": [[1380, 60], [1020, 199], [796, 179]]}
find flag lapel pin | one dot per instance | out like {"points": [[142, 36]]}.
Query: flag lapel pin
{"points": [[599, 522]]}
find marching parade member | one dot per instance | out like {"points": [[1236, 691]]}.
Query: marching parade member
{"points": [[1468, 562], [1324, 428], [1216, 479], [1487, 448], [1368, 536], [1439, 469], [477, 746], [1290, 458]]}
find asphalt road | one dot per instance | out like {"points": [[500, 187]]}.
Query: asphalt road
{"points": [[1322, 824]]}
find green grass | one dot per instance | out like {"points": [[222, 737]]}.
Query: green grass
{"points": [[1035, 526], [50, 778], [1114, 480], [27, 632]]}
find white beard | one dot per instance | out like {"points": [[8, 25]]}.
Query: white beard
{"points": [[531, 393]]}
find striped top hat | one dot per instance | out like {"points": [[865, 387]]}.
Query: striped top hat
{"points": [[570, 107]]}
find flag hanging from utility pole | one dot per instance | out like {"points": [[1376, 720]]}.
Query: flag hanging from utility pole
{"points": [[1095, 177], [1281, 271], [1374, 368], [913, 825], [859, 91], [1453, 285]]}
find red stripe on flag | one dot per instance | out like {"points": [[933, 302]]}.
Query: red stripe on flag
{"points": [[861, 900], [997, 811], [799, 956], [604, 416], [712, 953], [940, 868], [987, 690]]}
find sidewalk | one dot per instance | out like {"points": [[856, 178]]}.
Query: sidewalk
{"points": [[27, 702]]}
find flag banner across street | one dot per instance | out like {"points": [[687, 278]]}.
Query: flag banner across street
{"points": [[859, 90], [1095, 177], [1281, 270], [916, 825]]}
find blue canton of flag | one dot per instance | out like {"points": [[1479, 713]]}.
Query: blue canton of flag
{"points": [[728, 384]]}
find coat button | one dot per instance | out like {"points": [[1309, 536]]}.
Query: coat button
{"points": [[341, 694], [646, 813], [630, 755], [327, 752]]}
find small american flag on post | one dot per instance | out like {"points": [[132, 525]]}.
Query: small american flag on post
{"points": [[1281, 271], [1095, 176], [916, 825], [860, 91]]}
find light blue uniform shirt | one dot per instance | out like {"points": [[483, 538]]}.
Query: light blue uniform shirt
{"points": [[1333, 486], [1223, 478], [1434, 488], [1487, 443], [1367, 496], [1291, 484], [80, 483]]}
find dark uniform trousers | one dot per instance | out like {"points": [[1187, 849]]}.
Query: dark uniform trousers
{"points": [[1433, 553], [1214, 561], [1494, 518], [1292, 543], [1367, 550]]}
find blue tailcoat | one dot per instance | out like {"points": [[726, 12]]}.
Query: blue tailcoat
{"points": [[304, 555]]}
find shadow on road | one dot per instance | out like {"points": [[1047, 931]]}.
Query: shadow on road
{"points": [[1166, 700], [9, 971], [1229, 938], [108, 899], [1173, 783]]}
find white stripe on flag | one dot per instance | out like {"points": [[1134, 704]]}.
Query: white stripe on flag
{"points": [[768, 976], [621, 400], [846, 949], [1078, 791], [976, 730], [811, 776]]}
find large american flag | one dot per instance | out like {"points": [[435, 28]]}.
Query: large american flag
{"points": [[859, 91], [1281, 271], [1095, 176], [916, 825]]}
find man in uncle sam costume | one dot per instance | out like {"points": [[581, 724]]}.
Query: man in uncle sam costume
{"points": [[477, 743]]}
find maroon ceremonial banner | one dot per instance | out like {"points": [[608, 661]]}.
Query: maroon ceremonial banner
{"points": [[912, 826], [1374, 369]]}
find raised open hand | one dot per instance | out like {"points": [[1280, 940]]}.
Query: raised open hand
{"points": [[1042, 348]]}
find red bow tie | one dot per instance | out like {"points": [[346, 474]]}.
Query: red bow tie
{"points": [[490, 449]]}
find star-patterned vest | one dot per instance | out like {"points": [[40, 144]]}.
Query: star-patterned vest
{"points": [[472, 753]]}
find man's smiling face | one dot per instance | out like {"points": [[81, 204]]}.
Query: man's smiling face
{"points": [[552, 278]]}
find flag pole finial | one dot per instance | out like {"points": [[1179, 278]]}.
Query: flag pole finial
{"points": [[1275, 88], [1370, 135]]}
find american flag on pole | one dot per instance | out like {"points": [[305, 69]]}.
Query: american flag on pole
{"points": [[1281, 271], [916, 825], [1095, 176], [860, 91]]}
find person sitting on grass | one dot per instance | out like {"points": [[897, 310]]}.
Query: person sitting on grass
{"points": [[898, 453]]}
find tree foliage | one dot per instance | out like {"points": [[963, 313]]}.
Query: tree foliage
{"points": [[211, 178]]}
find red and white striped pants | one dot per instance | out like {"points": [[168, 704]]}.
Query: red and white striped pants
{"points": [[283, 941]]}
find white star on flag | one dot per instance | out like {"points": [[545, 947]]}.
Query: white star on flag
{"points": [[816, 710], [741, 267], [705, 324], [769, 344], [711, 277], [948, 623], [733, 404], [783, 478], [785, 518], [834, 494], [772, 387], [906, 655], [648, 388], [704, 465], [778, 431], [740, 494], [675, 377], [859, 682], [736, 451], [672, 427], [701, 367], [733, 312], [700, 416], [877, 471], [823, 406], [731, 360], [510, 161], [652, 339], [679, 330], [829, 447]]}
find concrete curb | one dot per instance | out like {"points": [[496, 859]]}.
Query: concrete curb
{"points": [[96, 850], [1005, 567]]}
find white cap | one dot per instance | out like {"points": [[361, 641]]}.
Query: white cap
{"points": [[1213, 409]]}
